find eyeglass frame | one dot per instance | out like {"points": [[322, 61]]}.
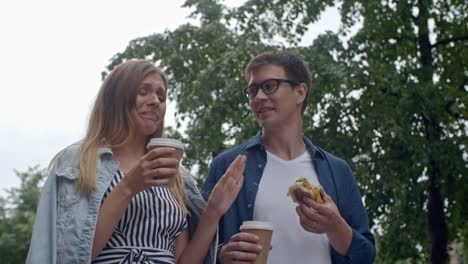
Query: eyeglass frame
{"points": [[260, 87]]}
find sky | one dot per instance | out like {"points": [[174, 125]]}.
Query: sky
{"points": [[52, 54]]}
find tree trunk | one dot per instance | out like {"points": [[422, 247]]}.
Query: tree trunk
{"points": [[437, 225]]}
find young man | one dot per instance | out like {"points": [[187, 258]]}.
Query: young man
{"points": [[336, 231]]}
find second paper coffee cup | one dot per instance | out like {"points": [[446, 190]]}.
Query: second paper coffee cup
{"points": [[264, 231]]}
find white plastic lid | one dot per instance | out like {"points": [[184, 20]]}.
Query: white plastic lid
{"points": [[166, 142], [257, 225]]}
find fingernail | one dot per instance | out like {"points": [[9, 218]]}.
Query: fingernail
{"points": [[259, 247]]}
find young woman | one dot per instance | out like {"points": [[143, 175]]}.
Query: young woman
{"points": [[107, 199]]}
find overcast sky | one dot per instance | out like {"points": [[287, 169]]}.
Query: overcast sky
{"points": [[52, 54]]}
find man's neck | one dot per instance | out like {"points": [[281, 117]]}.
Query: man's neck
{"points": [[284, 142]]}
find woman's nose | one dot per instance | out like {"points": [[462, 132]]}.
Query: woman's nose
{"points": [[154, 99]]}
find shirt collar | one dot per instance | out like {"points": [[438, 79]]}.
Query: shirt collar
{"points": [[313, 150], [103, 151], [255, 141]]}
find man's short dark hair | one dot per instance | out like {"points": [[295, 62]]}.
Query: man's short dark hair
{"points": [[295, 68]]}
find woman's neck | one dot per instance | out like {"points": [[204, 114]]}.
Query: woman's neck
{"points": [[129, 154]]}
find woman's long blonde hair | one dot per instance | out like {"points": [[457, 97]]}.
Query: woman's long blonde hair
{"points": [[111, 124]]}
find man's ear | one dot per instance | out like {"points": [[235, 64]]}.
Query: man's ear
{"points": [[301, 92]]}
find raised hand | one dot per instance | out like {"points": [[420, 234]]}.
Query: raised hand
{"points": [[225, 191], [157, 168]]}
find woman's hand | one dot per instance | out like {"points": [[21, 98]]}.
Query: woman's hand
{"points": [[157, 168], [225, 191], [222, 196]]}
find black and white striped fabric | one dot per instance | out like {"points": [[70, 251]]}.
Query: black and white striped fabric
{"points": [[148, 229]]}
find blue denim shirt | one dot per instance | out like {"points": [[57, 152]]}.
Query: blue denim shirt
{"points": [[65, 223], [333, 173]]}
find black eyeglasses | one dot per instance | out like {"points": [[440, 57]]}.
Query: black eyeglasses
{"points": [[268, 87]]}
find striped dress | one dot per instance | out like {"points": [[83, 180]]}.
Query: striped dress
{"points": [[147, 231]]}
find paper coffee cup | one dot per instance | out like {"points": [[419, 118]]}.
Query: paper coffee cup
{"points": [[168, 142], [264, 230]]}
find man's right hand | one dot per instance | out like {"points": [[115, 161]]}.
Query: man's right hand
{"points": [[242, 248]]}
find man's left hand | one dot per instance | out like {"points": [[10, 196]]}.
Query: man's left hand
{"points": [[325, 218], [318, 218]]}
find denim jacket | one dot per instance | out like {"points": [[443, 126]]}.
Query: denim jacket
{"points": [[334, 175], [65, 223]]}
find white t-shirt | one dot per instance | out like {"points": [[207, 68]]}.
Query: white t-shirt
{"points": [[290, 242]]}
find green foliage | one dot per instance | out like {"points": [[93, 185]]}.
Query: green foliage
{"points": [[205, 66], [17, 214], [389, 100]]}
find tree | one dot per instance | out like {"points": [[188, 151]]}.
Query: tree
{"points": [[391, 100], [17, 214]]}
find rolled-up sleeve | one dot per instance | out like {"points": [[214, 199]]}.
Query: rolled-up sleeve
{"points": [[362, 248]]}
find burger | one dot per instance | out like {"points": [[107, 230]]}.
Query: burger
{"points": [[303, 187]]}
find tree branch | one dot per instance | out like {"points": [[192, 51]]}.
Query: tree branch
{"points": [[445, 41], [406, 37]]}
